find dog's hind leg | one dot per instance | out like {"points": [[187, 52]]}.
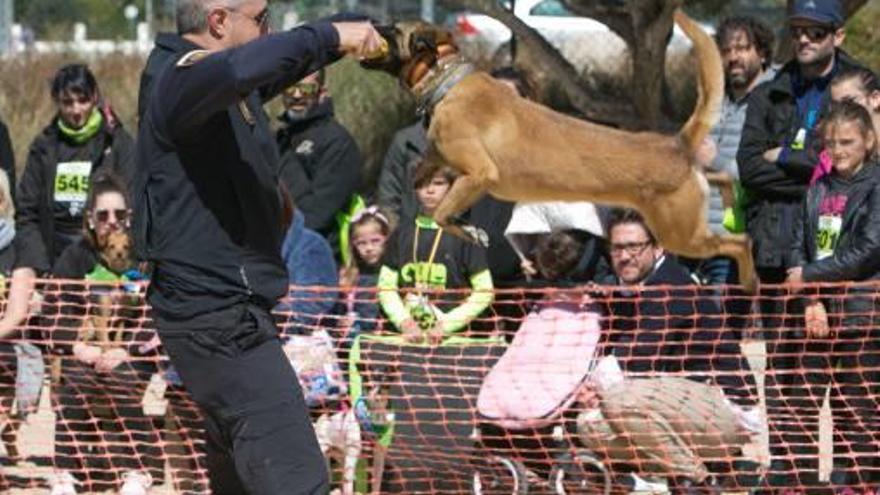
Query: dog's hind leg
{"points": [[469, 157], [736, 246]]}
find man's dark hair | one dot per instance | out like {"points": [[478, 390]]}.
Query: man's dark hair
{"points": [[75, 78], [557, 254], [756, 32], [620, 216]]}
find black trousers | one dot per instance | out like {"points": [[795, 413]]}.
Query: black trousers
{"points": [[260, 440]]}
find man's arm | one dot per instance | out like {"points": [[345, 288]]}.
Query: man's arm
{"points": [[189, 93], [786, 175]]}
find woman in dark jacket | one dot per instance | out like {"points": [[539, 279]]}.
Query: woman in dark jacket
{"points": [[837, 239], [102, 436], [82, 139]]}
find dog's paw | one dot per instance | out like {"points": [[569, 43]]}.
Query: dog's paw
{"points": [[477, 235]]}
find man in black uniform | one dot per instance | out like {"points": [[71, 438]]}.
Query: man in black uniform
{"points": [[211, 219]]}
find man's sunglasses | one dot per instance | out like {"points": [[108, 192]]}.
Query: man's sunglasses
{"points": [[813, 33], [304, 88], [261, 19], [121, 215]]}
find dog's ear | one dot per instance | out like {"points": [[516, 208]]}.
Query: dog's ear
{"points": [[423, 40]]}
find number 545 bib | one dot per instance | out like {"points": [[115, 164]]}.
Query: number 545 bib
{"points": [[72, 181]]}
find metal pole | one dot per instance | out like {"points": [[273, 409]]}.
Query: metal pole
{"points": [[148, 15], [7, 9], [428, 10]]}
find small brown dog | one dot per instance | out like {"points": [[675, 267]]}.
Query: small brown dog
{"points": [[520, 151], [104, 325]]}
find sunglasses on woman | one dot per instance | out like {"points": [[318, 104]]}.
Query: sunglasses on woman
{"points": [[121, 215]]}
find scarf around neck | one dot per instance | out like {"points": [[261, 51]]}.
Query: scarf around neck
{"points": [[87, 131]]}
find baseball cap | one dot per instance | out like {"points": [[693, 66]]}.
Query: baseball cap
{"points": [[820, 11]]}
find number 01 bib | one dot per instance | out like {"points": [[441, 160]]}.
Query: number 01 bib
{"points": [[828, 234], [72, 181]]}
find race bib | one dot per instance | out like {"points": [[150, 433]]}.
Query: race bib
{"points": [[827, 235], [72, 182]]}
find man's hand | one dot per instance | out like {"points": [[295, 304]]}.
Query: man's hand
{"points": [[411, 332], [360, 39], [88, 354], [772, 155], [795, 276], [110, 360]]}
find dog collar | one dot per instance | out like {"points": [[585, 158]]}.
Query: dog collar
{"points": [[443, 77]]}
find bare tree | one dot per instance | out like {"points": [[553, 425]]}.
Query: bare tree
{"points": [[548, 60], [645, 27]]}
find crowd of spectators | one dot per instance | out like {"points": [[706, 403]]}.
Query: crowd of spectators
{"points": [[800, 142]]}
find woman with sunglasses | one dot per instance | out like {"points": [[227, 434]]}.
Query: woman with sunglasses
{"points": [[83, 137], [103, 440]]}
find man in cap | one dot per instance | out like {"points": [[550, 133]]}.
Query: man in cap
{"points": [[776, 157]]}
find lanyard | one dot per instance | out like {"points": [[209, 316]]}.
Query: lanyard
{"points": [[415, 256]]}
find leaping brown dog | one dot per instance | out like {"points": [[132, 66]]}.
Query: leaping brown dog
{"points": [[518, 150]]}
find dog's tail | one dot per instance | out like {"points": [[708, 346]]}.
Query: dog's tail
{"points": [[710, 84]]}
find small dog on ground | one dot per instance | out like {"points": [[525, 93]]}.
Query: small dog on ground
{"points": [[520, 151]]}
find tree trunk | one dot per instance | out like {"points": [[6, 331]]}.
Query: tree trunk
{"points": [[549, 61], [645, 26]]}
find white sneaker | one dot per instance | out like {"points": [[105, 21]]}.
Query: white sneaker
{"points": [[136, 483], [62, 483]]}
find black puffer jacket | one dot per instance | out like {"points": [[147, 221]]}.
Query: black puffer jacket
{"points": [[776, 189], [47, 217]]}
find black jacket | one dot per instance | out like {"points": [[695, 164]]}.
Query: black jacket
{"points": [[775, 190], [395, 189], [856, 256], [676, 328], [7, 157], [321, 167], [857, 253], [44, 224], [208, 208]]}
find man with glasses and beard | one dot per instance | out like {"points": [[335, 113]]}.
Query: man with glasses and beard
{"points": [[662, 322], [320, 161], [210, 215], [776, 157]]}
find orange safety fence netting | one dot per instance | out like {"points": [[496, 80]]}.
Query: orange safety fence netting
{"points": [[583, 390]]}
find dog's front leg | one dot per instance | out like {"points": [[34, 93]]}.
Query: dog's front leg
{"points": [[461, 196]]}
